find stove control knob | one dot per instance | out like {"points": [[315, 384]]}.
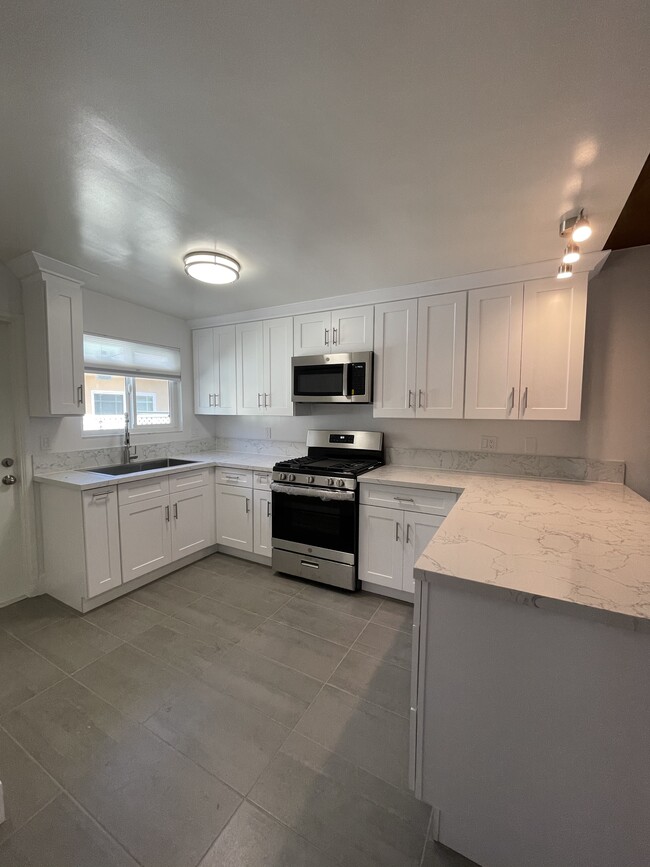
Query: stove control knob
{"points": [[311, 480], [330, 482], [340, 483], [283, 476], [292, 478]]}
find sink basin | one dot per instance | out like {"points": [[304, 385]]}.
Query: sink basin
{"points": [[139, 466]]}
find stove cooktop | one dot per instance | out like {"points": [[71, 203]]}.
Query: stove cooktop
{"points": [[340, 467]]}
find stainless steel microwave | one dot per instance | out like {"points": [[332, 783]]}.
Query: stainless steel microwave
{"points": [[343, 377]]}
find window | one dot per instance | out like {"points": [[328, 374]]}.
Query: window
{"points": [[138, 379]]}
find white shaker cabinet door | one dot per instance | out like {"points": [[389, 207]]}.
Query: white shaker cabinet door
{"points": [[552, 352], [494, 321], [192, 521], [312, 334], [204, 370], [250, 369], [145, 536], [352, 329], [65, 347], [235, 517], [441, 355], [262, 523], [395, 359], [102, 540], [418, 532], [381, 546], [225, 380], [278, 343]]}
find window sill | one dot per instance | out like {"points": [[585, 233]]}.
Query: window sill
{"points": [[119, 432]]}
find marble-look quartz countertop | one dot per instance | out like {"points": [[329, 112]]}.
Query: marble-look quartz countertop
{"points": [[87, 478], [582, 543]]}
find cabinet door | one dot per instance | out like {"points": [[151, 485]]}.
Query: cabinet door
{"points": [[204, 370], [235, 517], [419, 530], [552, 348], [381, 533], [250, 368], [262, 523], [494, 318], [352, 329], [193, 523], [102, 541], [145, 537], [395, 336], [441, 356], [225, 383], [278, 344], [312, 334], [65, 347]]}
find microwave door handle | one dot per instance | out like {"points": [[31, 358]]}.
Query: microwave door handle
{"points": [[346, 375]]}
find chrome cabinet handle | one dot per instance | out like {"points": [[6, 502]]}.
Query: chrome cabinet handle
{"points": [[210, 400], [396, 531], [524, 401], [259, 400], [420, 402], [265, 403], [248, 505], [327, 337], [167, 513], [404, 499], [216, 399], [408, 532], [334, 330], [176, 511], [80, 395], [268, 508], [100, 498], [510, 402], [411, 397]]}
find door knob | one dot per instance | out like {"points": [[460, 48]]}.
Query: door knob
{"points": [[9, 480]]}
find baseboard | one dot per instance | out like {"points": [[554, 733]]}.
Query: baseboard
{"points": [[402, 595], [244, 555]]}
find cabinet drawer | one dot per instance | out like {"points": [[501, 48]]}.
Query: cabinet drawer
{"points": [[262, 480], [424, 500], [190, 479], [239, 478], [146, 489]]}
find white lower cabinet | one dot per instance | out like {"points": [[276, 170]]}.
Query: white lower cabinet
{"points": [[262, 523], [145, 536], [392, 537], [102, 540], [235, 517]]}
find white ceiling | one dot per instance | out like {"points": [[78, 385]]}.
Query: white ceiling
{"points": [[331, 146]]}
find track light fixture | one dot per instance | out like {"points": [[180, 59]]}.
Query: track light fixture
{"points": [[564, 271], [571, 253], [574, 226]]}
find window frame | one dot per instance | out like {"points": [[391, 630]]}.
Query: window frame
{"points": [[175, 410]]}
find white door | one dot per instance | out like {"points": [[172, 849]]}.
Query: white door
{"points": [[312, 334], [235, 517], [552, 348], [250, 368], [204, 364], [225, 385], [262, 523], [441, 356], [381, 546], [145, 536], [102, 540], [278, 344], [193, 524], [494, 320], [395, 356], [419, 530], [352, 329], [65, 346], [13, 580]]}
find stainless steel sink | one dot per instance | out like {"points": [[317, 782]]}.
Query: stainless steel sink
{"points": [[140, 466]]}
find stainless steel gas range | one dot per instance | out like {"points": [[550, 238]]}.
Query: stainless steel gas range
{"points": [[316, 506]]}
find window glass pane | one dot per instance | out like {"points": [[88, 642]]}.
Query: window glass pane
{"points": [[106, 402], [152, 401]]}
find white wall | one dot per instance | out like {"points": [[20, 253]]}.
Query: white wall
{"points": [[115, 318], [10, 298]]}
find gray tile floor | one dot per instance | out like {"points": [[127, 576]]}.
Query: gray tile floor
{"points": [[223, 716]]}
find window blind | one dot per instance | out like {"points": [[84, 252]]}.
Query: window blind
{"points": [[128, 358]]}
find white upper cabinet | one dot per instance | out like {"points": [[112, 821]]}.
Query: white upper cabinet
{"points": [[347, 330], [552, 350], [493, 352], [264, 367], [441, 356], [214, 371], [395, 359]]}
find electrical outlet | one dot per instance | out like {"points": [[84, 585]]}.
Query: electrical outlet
{"points": [[530, 445], [45, 443], [268, 433], [489, 444]]}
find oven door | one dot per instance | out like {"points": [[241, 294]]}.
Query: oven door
{"points": [[315, 521]]}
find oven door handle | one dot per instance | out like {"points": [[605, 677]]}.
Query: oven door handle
{"points": [[319, 493]]}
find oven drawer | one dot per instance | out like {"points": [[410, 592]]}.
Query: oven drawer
{"points": [[240, 478], [426, 500], [314, 569]]}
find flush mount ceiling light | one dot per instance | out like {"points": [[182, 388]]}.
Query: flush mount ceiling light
{"points": [[564, 271], [576, 226], [211, 267], [571, 253]]}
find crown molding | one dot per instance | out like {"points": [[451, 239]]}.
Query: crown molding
{"points": [[30, 263]]}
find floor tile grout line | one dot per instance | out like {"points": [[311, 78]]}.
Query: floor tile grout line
{"points": [[64, 790], [56, 795]]}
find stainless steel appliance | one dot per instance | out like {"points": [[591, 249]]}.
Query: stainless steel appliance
{"points": [[316, 506], [344, 377]]}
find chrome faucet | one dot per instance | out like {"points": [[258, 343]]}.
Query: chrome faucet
{"points": [[127, 454]]}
